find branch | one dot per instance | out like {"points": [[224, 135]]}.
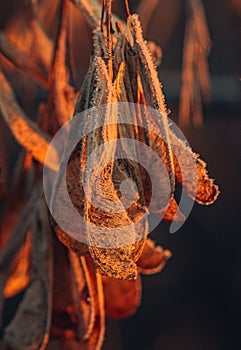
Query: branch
{"points": [[91, 9], [21, 61], [26, 132]]}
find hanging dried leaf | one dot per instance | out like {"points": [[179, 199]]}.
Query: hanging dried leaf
{"points": [[121, 70], [132, 77], [153, 258], [122, 297], [62, 97], [204, 191]]}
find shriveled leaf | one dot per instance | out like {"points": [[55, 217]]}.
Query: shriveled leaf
{"points": [[195, 181], [171, 212], [152, 86], [12, 247], [95, 334], [190, 170], [119, 262], [153, 258], [62, 97], [122, 297], [26, 330], [19, 274], [93, 327], [36, 306], [83, 301]]}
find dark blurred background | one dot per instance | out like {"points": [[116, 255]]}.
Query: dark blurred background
{"points": [[195, 302]]}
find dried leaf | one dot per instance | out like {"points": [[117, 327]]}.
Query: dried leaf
{"points": [[198, 185], [122, 297], [83, 301], [95, 288], [62, 97], [113, 262], [153, 258], [149, 77], [12, 247], [19, 274], [36, 306], [171, 212]]}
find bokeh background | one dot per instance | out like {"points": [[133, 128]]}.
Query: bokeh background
{"points": [[195, 302]]}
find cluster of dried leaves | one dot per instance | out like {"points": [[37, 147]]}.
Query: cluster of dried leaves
{"points": [[69, 291]]}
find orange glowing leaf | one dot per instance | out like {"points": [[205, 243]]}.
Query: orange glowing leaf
{"points": [[122, 298], [172, 212], [153, 258], [197, 183], [19, 275]]}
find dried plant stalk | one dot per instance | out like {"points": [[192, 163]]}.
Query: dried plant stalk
{"points": [[62, 97], [26, 132], [21, 61], [196, 85]]}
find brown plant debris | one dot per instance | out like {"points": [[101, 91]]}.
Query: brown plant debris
{"points": [[69, 287], [196, 85]]}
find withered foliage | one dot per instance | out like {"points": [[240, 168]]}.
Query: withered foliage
{"points": [[85, 282], [196, 84]]}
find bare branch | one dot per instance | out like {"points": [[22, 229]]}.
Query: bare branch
{"points": [[92, 10], [26, 132], [21, 61]]}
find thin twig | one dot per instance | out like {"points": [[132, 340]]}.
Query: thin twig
{"points": [[128, 13], [92, 11]]}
